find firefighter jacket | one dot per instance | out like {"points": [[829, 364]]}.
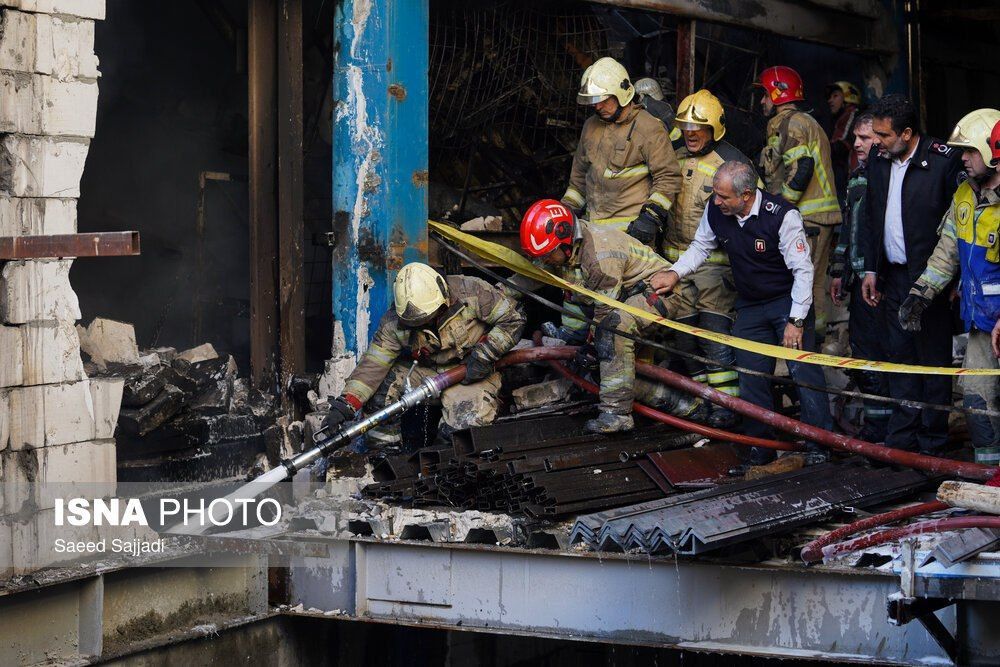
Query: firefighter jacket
{"points": [[969, 246], [934, 174], [847, 260], [622, 166], [796, 165], [479, 316], [606, 261], [697, 172]]}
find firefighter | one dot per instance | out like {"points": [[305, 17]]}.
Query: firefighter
{"points": [[624, 171], [435, 324], [844, 99], [847, 269], [610, 262], [969, 248], [707, 295], [651, 96], [796, 165]]}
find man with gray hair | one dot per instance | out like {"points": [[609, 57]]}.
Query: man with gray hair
{"points": [[769, 255]]}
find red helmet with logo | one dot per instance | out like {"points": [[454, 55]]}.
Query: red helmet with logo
{"points": [[783, 84], [995, 145], [547, 225]]}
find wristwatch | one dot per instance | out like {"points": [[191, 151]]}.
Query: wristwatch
{"points": [[797, 322]]}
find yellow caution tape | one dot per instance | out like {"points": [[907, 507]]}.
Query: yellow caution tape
{"points": [[515, 262]]}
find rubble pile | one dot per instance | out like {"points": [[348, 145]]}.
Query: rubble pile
{"points": [[181, 407]]}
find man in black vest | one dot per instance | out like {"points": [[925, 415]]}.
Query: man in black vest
{"points": [[911, 180], [769, 254]]}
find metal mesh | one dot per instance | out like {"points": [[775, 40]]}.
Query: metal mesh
{"points": [[503, 79]]}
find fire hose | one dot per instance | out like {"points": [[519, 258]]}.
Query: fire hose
{"points": [[913, 530], [813, 552]]}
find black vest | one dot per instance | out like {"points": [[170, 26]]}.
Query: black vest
{"points": [[759, 269]]}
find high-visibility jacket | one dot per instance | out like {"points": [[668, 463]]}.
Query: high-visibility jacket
{"points": [[970, 246], [619, 167], [697, 172], [796, 165]]}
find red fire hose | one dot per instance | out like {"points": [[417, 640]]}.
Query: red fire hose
{"points": [[813, 552], [677, 422], [922, 528], [933, 464], [836, 441]]}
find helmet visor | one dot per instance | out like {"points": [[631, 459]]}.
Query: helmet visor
{"points": [[686, 125], [587, 99]]}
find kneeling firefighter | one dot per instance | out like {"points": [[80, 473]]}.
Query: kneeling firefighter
{"points": [[435, 324], [610, 262]]}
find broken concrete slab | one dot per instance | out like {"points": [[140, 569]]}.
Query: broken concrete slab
{"points": [[203, 352], [40, 104], [142, 385], [166, 354], [35, 290], [4, 420], [543, 393], [87, 9], [149, 417], [34, 538], [11, 357], [110, 341], [51, 353], [489, 223], [61, 46], [32, 166], [35, 216], [216, 397], [34, 478], [50, 415]]}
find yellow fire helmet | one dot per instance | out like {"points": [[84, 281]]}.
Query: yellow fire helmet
{"points": [[702, 109], [419, 291], [605, 78], [973, 131], [851, 93]]}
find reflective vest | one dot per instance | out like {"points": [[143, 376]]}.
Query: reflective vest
{"points": [[791, 136], [977, 230]]}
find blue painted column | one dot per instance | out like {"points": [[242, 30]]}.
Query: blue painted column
{"points": [[379, 158]]}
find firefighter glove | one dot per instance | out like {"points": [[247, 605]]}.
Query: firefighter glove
{"points": [[477, 367], [644, 227], [340, 412], [911, 311]]}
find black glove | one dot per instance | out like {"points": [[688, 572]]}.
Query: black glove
{"points": [[911, 311], [586, 358], [477, 368], [563, 333], [644, 227], [340, 412]]}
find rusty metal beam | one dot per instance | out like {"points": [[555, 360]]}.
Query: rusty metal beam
{"points": [[100, 244], [262, 105], [685, 58], [291, 290], [816, 22]]}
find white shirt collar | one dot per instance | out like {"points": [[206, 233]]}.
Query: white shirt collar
{"points": [[754, 210]]}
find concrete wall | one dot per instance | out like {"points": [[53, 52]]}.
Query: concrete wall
{"points": [[56, 425]]}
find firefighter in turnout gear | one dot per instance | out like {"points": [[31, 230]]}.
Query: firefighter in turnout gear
{"points": [[796, 164], [651, 96], [436, 323], [707, 295], [969, 248], [624, 171], [610, 262]]}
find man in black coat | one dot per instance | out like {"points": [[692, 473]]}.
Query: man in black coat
{"points": [[911, 180]]}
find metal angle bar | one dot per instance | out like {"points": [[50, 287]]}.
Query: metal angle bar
{"points": [[98, 244]]}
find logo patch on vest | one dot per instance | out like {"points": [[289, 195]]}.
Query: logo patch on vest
{"points": [[800, 245], [963, 212], [759, 245], [770, 206]]}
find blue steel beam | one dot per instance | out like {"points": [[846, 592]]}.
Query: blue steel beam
{"points": [[379, 157]]}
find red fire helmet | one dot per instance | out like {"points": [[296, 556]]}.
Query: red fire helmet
{"points": [[545, 226]]}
